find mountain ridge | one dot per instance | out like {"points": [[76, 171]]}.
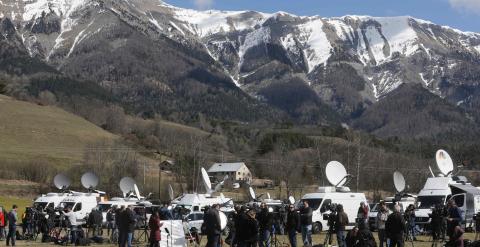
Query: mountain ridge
{"points": [[337, 64]]}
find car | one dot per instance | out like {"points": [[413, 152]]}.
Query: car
{"points": [[194, 220]]}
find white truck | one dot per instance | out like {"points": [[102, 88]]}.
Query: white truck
{"points": [[438, 190], [321, 201], [81, 204]]}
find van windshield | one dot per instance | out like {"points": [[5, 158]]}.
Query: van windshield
{"points": [[427, 202], [104, 207], [313, 203], [40, 205]]}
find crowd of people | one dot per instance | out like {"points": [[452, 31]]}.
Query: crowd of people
{"points": [[257, 226]]}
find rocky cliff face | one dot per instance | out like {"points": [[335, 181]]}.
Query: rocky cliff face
{"points": [[317, 70]]}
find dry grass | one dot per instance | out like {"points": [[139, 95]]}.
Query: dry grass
{"points": [[423, 241], [30, 131]]}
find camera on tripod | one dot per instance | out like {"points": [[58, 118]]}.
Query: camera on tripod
{"points": [[332, 216]]}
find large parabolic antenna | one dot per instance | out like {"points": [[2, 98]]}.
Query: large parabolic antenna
{"points": [[170, 192], [89, 180], [444, 162], [61, 181], [206, 180], [251, 192], [399, 181], [336, 173], [127, 185]]}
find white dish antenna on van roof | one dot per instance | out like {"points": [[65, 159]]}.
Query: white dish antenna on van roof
{"points": [[291, 199], [206, 181], [126, 185], [61, 181], [251, 192], [89, 180], [444, 162], [399, 181], [170, 192], [336, 173]]}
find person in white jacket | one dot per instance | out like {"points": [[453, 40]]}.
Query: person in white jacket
{"points": [[72, 219], [382, 217]]}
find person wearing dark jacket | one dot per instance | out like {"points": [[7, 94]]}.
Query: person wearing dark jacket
{"points": [[456, 237], [454, 217], [364, 237], [306, 224], [247, 233], [292, 225], [155, 233], [110, 220], [213, 226], [351, 238], [340, 223], [12, 225], [265, 221], [126, 227], [395, 228]]}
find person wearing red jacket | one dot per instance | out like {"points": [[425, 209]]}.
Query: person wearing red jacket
{"points": [[155, 232], [2, 223]]}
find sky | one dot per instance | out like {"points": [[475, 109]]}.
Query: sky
{"points": [[460, 14]]}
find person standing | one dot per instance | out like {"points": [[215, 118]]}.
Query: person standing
{"points": [[72, 220], [382, 216], [213, 226], [265, 221], [292, 225], [410, 217], [454, 217], [122, 235], [362, 213], [12, 225], [306, 224], [456, 238], [155, 233], [129, 224], [395, 227], [247, 234], [2, 223], [110, 220], [341, 222]]}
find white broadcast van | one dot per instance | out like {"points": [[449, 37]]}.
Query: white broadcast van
{"points": [[321, 201], [438, 190], [52, 200]]}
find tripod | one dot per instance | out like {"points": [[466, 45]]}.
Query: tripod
{"points": [[328, 237], [144, 233]]}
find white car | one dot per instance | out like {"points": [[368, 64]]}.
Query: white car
{"points": [[194, 220]]}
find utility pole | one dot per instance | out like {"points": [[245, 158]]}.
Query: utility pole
{"points": [[160, 181]]}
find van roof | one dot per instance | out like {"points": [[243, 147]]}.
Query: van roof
{"points": [[335, 195]]}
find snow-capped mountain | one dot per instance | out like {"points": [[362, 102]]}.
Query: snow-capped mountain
{"points": [[296, 63]]}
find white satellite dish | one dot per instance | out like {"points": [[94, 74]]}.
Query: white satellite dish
{"points": [[444, 162], [399, 181], [291, 199], [137, 192], [223, 220], [89, 180], [251, 192], [61, 181], [206, 181], [336, 173], [126, 185], [170, 192]]}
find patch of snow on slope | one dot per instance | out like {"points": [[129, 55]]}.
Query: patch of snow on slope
{"points": [[314, 38], [34, 9], [254, 38], [477, 48], [78, 39], [288, 42], [176, 27], [155, 22], [343, 31], [376, 44], [213, 21], [399, 34]]}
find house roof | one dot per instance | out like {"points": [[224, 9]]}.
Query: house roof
{"points": [[226, 167]]}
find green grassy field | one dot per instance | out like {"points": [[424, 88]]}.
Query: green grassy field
{"points": [[29, 132], [8, 202]]}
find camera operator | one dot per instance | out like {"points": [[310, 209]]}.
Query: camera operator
{"points": [[72, 220], [331, 222], [292, 225], [454, 217], [265, 221], [438, 222], [341, 221], [306, 224], [111, 219], [410, 219]]}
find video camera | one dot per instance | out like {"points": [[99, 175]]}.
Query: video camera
{"points": [[332, 216]]}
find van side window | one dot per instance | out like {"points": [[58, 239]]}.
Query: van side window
{"points": [[325, 206], [78, 207]]}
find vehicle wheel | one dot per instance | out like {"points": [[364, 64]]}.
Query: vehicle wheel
{"points": [[316, 227]]}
